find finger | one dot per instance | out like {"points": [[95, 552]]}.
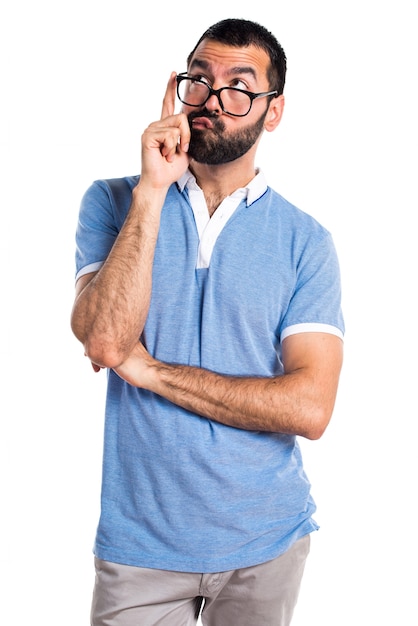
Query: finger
{"points": [[170, 97], [169, 135], [164, 136], [176, 137], [184, 133]]}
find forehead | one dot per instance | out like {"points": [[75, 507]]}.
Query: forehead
{"points": [[219, 58]]}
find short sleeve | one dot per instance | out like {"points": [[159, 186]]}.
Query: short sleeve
{"points": [[316, 302], [103, 210]]}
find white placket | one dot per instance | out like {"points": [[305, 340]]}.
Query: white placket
{"points": [[209, 228]]}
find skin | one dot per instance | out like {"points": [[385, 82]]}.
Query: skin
{"points": [[111, 306]]}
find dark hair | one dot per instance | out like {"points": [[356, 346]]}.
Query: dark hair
{"points": [[243, 33]]}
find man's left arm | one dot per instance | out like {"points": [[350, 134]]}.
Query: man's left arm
{"points": [[299, 402]]}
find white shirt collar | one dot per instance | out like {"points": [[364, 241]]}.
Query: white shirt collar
{"points": [[254, 190]]}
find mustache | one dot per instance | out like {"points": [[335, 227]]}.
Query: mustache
{"points": [[202, 113]]}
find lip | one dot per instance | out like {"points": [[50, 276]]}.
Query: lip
{"points": [[202, 122]]}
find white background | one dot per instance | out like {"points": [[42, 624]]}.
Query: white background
{"points": [[80, 81]]}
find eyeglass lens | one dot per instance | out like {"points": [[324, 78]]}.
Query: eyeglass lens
{"points": [[195, 93]]}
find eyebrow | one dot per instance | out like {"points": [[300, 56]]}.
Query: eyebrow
{"points": [[233, 71]]}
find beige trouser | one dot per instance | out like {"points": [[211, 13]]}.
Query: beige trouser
{"points": [[262, 595]]}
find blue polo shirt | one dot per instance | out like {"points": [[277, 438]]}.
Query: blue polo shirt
{"points": [[180, 491]]}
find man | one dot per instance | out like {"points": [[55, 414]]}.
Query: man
{"points": [[215, 305]]}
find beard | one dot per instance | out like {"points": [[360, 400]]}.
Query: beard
{"points": [[214, 146]]}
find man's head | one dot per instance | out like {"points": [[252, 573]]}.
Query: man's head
{"points": [[242, 33], [232, 90]]}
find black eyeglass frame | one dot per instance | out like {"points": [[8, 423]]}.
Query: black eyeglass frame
{"points": [[217, 92]]}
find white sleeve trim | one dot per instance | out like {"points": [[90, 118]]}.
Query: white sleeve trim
{"points": [[311, 328], [93, 267]]}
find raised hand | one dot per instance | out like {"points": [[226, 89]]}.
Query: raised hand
{"points": [[165, 144]]}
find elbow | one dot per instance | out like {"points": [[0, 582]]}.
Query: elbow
{"points": [[313, 434], [316, 424], [104, 355], [100, 350]]}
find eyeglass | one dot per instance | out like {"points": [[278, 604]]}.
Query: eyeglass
{"points": [[195, 93]]}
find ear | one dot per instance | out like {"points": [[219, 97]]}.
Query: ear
{"points": [[274, 113]]}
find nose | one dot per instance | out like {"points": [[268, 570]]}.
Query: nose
{"points": [[213, 104]]}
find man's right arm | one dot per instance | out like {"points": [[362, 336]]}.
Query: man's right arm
{"points": [[111, 305]]}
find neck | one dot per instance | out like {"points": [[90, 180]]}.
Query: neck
{"points": [[219, 181]]}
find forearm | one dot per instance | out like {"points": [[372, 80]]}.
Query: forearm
{"points": [[287, 404], [110, 311], [264, 404], [241, 402]]}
